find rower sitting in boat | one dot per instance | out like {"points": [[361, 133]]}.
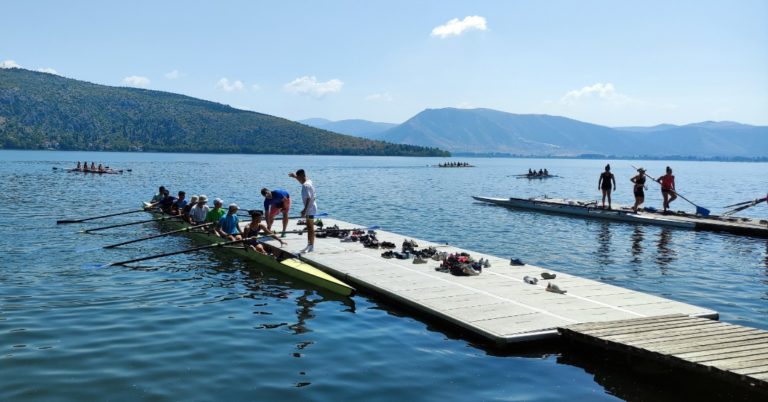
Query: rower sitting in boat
{"points": [[100, 169], [157, 197], [254, 228], [93, 166], [215, 214], [185, 212], [229, 224], [179, 204], [199, 212], [165, 204], [78, 166], [546, 172]]}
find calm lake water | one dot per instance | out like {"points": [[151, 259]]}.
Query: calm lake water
{"points": [[206, 326]]}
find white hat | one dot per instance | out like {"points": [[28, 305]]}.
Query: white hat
{"points": [[193, 198], [218, 201], [233, 205], [203, 198]]}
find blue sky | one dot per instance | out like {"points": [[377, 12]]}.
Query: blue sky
{"points": [[616, 63]]}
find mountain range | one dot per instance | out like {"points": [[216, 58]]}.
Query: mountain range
{"points": [[487, 131], [46, 111]]}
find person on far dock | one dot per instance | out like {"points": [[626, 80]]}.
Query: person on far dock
{"points": [[310, 207], [276, 201], [639, 189], [229, 224], [604, 184], [668, 188], [198, 212]]}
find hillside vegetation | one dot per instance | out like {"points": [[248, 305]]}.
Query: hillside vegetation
{"points": [[45, 111]]}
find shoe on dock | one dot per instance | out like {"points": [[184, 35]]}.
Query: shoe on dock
{"points": [[547, 275], [516, 262], [530, 280], [388, 254], [419, 260], [554, 288], [486, 263]]}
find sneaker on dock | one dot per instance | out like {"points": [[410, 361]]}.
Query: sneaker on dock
{"points": [[530, 280], [516, 262], [547, 275], [554, 288]]}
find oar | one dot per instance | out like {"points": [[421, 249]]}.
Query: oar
{"points": [[743, 207], [699, 209], [753, 202], [151, 257], [97, 217], [186, 229], [165, 218]]}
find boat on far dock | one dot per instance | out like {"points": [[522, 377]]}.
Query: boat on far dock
{"points": [[679, 219]]}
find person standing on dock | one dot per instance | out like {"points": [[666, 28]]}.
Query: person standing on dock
{"points": [[639, 190], [310, 207], [276, 201], [668, 188], [604, 184]]}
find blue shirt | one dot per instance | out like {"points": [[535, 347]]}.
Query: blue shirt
{"points": [[276, 201], [229, 224], [181, 204]]}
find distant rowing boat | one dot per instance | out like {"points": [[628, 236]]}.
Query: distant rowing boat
{"points": [[740, 226], [536, 176], [453, 166], [110, 171], [283, 261]]}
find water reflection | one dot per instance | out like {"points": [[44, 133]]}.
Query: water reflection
{"points": [[637, 244], [666, 254], [604, 244]]}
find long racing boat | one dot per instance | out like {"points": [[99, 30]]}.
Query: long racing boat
{"points": [[277, 258], [682, 220]]}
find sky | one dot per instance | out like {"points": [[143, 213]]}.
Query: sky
{"points": [[616, 63]]}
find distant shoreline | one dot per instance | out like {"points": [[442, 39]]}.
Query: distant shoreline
{"points": [[616, 157]]}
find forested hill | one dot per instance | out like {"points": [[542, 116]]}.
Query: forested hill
{"points": [[45, 111]]}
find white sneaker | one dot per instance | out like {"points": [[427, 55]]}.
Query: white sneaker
{"points": [[308, 249]]}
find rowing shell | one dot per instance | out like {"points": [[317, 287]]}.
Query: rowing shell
{"points": [[285, 262]]}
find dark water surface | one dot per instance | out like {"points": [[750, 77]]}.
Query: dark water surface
{"points": [[206, 326]]}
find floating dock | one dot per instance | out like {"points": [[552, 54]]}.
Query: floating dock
{"points": [[496, 305], [732, 352], [739, 226]]}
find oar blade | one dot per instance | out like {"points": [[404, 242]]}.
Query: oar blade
{"points": [[95, 266], [702, 211], [86, 249], [68, 221]]}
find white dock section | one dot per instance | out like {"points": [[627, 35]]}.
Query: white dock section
{"points": [[497, 304]]}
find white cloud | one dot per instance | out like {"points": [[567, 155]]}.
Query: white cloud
{"points": [[602, 92], [9, 64], [380, 97], [48, 70], [455, 27], [174, 75], [136, 81], [225, 85], [307, 85]]}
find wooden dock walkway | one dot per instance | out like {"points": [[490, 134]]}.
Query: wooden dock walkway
{"points": [[497, 305], [728, 351]]}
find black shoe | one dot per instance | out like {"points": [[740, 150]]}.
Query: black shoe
{"points": [[516, 262]]}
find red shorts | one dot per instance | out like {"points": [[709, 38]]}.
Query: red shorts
{"points": [[286, 207]]}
